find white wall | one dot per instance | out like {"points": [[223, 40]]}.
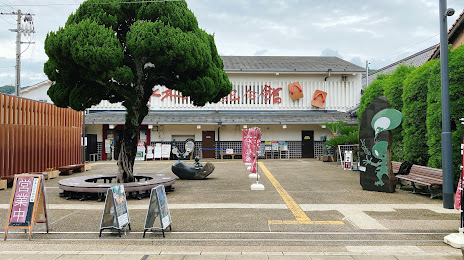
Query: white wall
{"points": [[95, 129], [39, 93], [234, 132]]}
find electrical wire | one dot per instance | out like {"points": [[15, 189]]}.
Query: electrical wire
{"points": [[107, 3], [407, 48]]}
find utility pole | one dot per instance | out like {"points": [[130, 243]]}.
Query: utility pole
{"points": [[367, 74], [446, 147], [27, 29]]}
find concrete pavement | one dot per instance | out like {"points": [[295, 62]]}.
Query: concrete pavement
{"points": [[309, 210]]}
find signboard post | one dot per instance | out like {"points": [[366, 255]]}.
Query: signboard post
{"points": [[27, 205], [158, 207], [115, 214]]}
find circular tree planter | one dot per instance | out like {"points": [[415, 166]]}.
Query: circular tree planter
{"points": [[95, 186]]}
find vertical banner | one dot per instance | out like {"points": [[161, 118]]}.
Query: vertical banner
{"points": [[244, 144], [158, 207], [115, 214], [257, 145], [249, 146], [27, 205]]}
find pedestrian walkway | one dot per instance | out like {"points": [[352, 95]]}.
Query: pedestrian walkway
{"points": [[308, 210]]}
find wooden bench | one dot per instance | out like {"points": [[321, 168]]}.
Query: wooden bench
{"points": [[68, 170], [231, 154], [420, 176], [396, 167]]}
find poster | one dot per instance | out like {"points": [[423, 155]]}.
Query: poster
{"points": [[115, 214], [120, 204], [157, 151], [158, 207], [27, 206], [166, 151], [23, 201]]}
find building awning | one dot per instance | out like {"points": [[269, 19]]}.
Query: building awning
{"points": [[224, 117]]}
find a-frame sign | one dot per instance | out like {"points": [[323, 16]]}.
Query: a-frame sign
{"points": [[158, 207], [115, 214], [27, 205]]}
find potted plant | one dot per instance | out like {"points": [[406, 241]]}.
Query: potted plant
{"points": [[335, 127]]}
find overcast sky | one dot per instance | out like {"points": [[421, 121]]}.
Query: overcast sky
{"points": [[377, 30]]}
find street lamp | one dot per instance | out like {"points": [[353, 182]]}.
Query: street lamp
{"points": [[446, 146]]}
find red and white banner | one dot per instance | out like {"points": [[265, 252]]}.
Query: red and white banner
{"points": [[244, 147], [257, 144], [457, 197]]}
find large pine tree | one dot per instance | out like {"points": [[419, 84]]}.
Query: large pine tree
{"points": [[118, 51]]}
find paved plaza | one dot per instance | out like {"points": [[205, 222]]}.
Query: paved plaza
{"points": [[308, 210]]}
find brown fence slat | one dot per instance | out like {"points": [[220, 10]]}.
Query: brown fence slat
{"points": [[35, 136]]}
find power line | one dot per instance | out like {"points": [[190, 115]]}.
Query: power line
{"points": [[407, 48], [107, 3]]}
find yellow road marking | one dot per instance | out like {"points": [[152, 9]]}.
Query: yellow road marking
{"points": [[300, 215]]}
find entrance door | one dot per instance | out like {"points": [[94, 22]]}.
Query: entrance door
{"points": [[209, 142], [307, 144]]}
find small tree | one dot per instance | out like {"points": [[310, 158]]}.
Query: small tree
{"points": [[118, 51]]}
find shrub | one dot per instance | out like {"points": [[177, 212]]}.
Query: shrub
{"points": [[456, 90], [375, 90], [415, 89], [393, 91]]}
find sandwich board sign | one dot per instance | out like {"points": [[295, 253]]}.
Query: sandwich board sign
{"points": [[158, 207], [115, 214], [27, 205]]}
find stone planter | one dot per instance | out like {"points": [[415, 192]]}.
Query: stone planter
{"points": [[51, 174], [3, 184]]}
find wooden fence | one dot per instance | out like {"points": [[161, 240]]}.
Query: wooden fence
{"points": [[35, 136]]}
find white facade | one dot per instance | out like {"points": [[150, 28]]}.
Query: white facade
{"points": [[264, 92], [253, 91]]}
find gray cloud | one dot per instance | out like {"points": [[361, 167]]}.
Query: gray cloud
{"points": [[330, 52], [379, 31]]}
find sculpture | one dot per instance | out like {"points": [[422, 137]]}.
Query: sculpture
{"points": [[189, 147], [375, 141], [192, 172]]}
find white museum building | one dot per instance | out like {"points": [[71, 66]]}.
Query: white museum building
{"points": [[288, 98]]}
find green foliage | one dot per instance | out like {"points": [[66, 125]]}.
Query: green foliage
{"points": [[335, 127], [415, 90], [393, 91], [119, 52], [7, 89], [348, 135], [375, 90], [456, 90]]}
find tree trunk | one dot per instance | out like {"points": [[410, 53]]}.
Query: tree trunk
{"points": [[127, 153], [136, 110]]}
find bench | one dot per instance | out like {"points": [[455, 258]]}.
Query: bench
{"points": [[423, 176], [396, 167], [68, 170], [231, 154]]}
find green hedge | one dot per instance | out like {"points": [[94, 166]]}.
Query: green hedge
{"points": [[393, 92], [456, 90], [375, 90], [415, 89]]}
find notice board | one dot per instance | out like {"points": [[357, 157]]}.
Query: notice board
{"points": [[158, 208], [27, 205], [115, 214]]}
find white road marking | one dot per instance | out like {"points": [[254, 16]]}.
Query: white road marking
{"points": [[354, 213]]}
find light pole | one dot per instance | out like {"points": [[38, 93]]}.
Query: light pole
{"points": [[446, 146]]}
